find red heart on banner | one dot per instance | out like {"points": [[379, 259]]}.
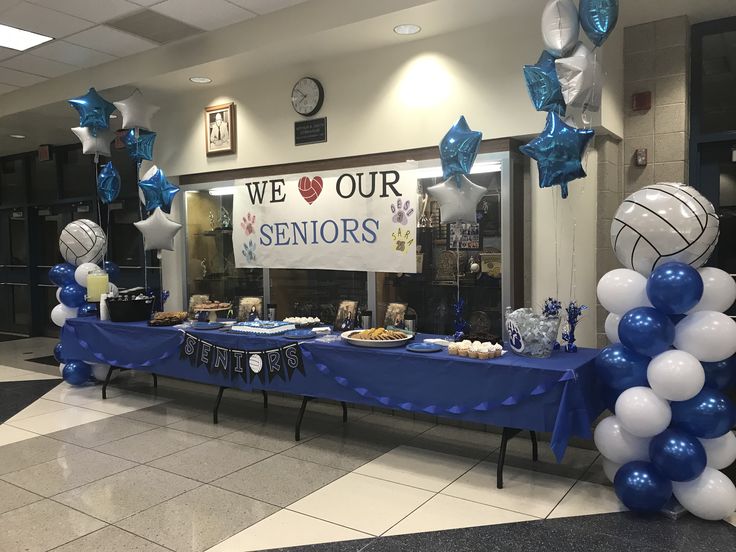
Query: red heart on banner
{"points": [[310, 188]]}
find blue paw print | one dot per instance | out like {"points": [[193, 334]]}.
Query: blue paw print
{"points": [[249, 251], [517, 344]]}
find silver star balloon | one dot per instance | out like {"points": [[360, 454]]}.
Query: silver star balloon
{"points": [[458, 198], [97, 143], [158, 231], [137, 112], [580, 78]]}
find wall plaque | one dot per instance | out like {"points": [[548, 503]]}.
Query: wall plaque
{"points": [[311, 131]]}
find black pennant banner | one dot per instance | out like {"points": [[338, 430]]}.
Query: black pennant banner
{"points": [[250, 365]]}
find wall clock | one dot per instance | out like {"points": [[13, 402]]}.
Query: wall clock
{"points": [[307, 96]]}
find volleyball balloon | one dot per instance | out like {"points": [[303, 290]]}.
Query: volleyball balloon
{"points": [[82, 241], [663, 223]]}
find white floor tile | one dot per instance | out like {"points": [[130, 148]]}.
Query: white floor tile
{"points": [[416, 467], [362, 503], [586, 499], [41, 406], [8, 373], [532, 493], [62, 419], [79, 396], [447, 512], [284, 529], [122, 404], [10, 434]]}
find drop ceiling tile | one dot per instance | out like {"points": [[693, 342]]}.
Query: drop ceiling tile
{"points": [[29, 63], [18, 78], [5, 4], [111, 41], [265, 6], [210, 15], [4, 88], [155, 26], [146, 3], [66, 52], [42, 20], [91, 10], [6, 53]]}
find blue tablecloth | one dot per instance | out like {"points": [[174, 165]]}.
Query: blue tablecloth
{"points": [[558, 395]]}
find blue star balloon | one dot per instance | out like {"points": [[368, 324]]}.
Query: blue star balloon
{"points": [[157, 191], [598, 19], [458, 149], [94, 110], [544, 86], [558, 151], [108, 183], [140, 146]]}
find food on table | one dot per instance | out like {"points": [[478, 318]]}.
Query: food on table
{"points": [[262, 327], [212, 305], [479, 336], [303, 320], [475, 349], [168, 318], [379, 334]]}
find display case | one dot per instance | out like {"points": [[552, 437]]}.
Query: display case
{"points": [[484, 258]]}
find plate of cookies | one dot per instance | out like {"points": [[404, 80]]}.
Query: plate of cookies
{"points": [[377, 337]]}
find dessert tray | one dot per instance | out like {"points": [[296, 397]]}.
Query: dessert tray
{"points": [[379, 338]]}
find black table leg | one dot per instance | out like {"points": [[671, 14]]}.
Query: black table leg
{"points": [[107, 381], [155, 380], [265, 398], [508, 434], [217, 404], [535, 447], [344, 412], [300, 417]]}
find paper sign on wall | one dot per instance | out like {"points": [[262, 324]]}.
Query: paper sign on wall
{"points": [[359, 219]]}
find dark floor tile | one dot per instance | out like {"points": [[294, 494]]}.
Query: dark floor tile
{"points": [[342, 546], [46, 360], [16, 395]]}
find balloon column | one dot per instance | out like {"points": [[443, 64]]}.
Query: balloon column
{"points": [[670, 359], [567, 75]]}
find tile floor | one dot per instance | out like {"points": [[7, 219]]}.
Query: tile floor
{"points": [[149, 472]]}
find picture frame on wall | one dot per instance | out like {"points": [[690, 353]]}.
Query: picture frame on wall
{"points": [[220, 129], [465, 235]]}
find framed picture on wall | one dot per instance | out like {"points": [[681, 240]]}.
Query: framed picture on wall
{"points": [[464, 236], [220, 132]]}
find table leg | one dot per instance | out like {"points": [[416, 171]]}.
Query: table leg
{"points": [[107, 381], [506, 436], [535, 447], [300, 417], [155, 380], [344, 412], [265, 398], [217, 403]]}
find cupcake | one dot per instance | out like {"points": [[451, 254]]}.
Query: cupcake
{"points": [[463, 349], [484, 353], [472, 352], [452, 348]]}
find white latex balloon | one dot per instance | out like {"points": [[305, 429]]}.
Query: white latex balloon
{"points": [[721, 451], [675, 375], [610, 469], [60, 313], [618, 445], [61, 369], [136, 111], [707, 335], [99, 371], [611, 326], [98, 143], [711, 496], [158, 231], [621, 290], [457, 203], [642, 413], [80, 274], [560, 27], [580, 79], [719, 290], [58, 294]]}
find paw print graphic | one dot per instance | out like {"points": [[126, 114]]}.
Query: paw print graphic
{"points": [[517, 344], [249, 251], [401, 211], [247, 224], [402, 240]]}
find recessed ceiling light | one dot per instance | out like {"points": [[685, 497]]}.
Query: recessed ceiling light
{"points": [[200, 80], [113, 116], [18, 39], [407, 29], [18, 136]]}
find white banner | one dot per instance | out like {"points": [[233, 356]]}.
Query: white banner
{"points": [[359, 219]]}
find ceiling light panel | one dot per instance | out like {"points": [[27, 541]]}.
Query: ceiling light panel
{"points": [[18, 39]]}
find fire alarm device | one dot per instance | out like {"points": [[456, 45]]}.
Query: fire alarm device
{"points": [[640, 157], [641, 101]]}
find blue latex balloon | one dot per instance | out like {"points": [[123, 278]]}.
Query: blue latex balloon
{"points": [[642, 487], [140, 147], [62, 274], [674, 288], [678, 455], [108, 183], [88, 309], [458, 149], [558, 151], [646, 331], [676, 318], [76, 372], [158, 192], [94, 110], [59, 352], [720, 375], [621, 368], [113, 271], [598, 19], [72, 295], [544, 86], [708, 415], [610, 396]]}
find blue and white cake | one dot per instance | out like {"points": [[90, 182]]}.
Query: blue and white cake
{"points": [[263, 327]]}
